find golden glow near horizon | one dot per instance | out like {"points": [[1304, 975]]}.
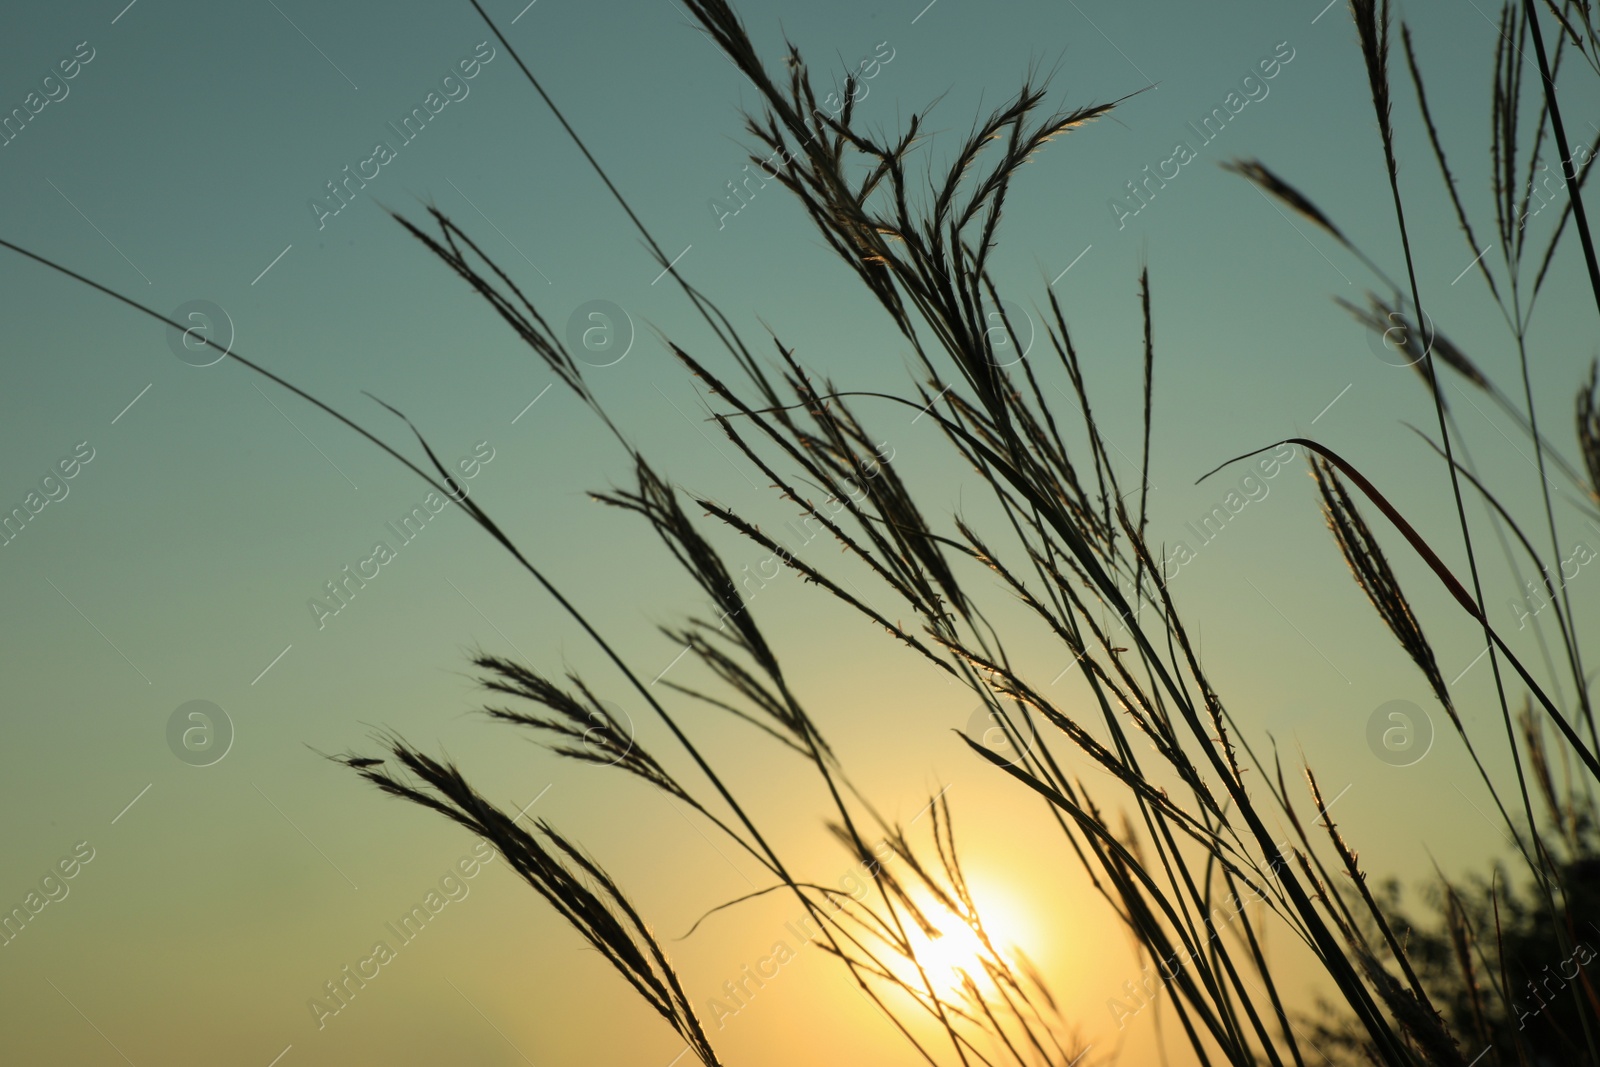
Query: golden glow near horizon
{"points": [[178, 661]]}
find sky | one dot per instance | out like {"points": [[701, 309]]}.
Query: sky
{"points": [[186, 164]]}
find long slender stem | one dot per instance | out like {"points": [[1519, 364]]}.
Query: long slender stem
{"points": [[1568, 171]]}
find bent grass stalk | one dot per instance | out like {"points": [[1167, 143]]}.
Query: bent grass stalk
{"points": [[1070, 553]]}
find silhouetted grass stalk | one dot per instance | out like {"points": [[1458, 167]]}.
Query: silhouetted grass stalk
{"points": [[1067, 550]]}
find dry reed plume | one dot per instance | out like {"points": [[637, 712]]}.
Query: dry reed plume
{"points": [[1188, 830]]}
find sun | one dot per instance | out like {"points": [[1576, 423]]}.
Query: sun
{"points": [[951, 952], [954, 951]]}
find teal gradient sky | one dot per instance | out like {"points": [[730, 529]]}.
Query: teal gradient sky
{"points": [[181, 561]]}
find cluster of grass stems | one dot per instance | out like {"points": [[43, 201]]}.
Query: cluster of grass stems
{"points": [[1175, 862]]}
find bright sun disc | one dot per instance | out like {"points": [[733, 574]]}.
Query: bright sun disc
{"points": [[957, 950]]}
